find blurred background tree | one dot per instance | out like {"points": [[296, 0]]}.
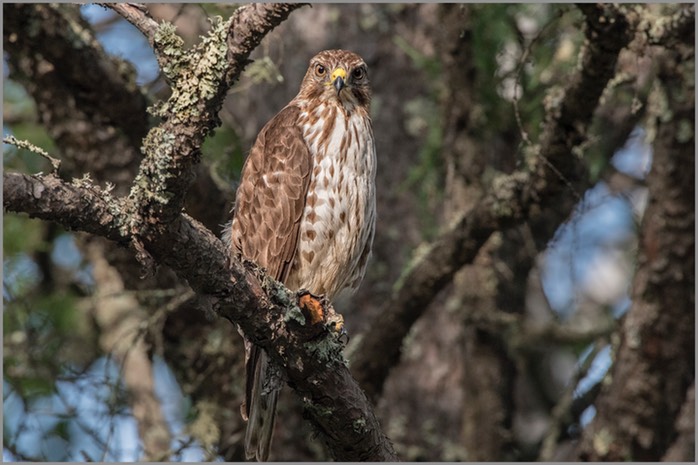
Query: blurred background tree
{"points": [[568, 336]]}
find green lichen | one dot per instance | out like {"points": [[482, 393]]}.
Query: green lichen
{"points": [[359, 425], [295, 314], [84, 183], [150, 183], [277, 291], [195, 75], [327, 350], [169, 46], [318, 410]]}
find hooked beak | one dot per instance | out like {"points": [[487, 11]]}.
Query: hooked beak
{"points": [[338, 79]]}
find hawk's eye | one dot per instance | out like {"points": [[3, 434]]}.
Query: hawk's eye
{"points": [[320, 70], [358, 73]]}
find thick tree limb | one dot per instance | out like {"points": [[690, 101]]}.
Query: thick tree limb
{"points": [[90, 70], [84, 128], [550, 184], [152, 214], [683, 448], [79, 206], [264, 309], [249, 25], [637, 409], [200, 79]]}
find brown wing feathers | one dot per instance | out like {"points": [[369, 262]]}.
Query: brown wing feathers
{"points": [[271, 198], [269, 206]]}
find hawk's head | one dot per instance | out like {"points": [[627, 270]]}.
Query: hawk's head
{"points": [[337, 76]]}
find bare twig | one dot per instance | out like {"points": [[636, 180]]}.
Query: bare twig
{"points": [[23, 144], [517, 76]]}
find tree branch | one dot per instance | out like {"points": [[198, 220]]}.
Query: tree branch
{"points": [[637, 410], [151, 218], [266, 311], [136, 14], [79, 206], [680, 27], [249, 25], [88, 114], [551, 184], [200, 79]]}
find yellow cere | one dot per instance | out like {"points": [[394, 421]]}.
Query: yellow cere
{"points": [[338, 72]]}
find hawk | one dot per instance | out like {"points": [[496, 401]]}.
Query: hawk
{"points": [[305, 208]]}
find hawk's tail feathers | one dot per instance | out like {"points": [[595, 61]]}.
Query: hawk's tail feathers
{"points": [[261, 408]]}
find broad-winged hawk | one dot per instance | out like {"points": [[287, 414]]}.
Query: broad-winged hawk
{"points": [[305, 208]]}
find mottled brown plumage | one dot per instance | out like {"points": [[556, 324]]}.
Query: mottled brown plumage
{"points": [[305, 207]]}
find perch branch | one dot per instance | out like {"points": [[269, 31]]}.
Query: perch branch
{"points": [[151, 219], [265, 310]]}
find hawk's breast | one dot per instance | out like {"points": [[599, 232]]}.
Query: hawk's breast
{"points": [[336, 229]]}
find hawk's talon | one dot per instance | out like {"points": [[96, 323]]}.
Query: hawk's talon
{"points": [[312, 307]]}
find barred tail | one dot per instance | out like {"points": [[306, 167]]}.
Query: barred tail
{"points": [[260, 406]]}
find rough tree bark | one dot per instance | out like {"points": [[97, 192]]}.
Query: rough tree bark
{"points": [[637, 411]]}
